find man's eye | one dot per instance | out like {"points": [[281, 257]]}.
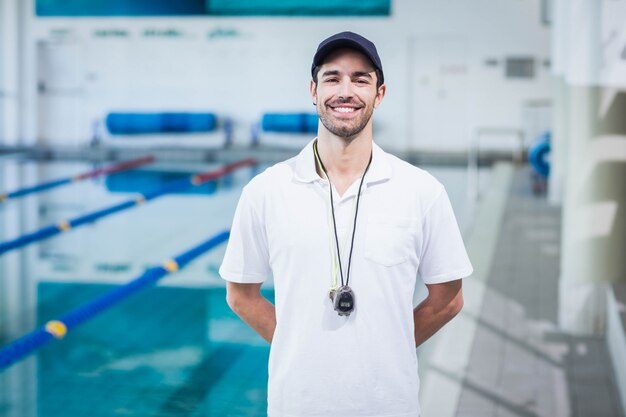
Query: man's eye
{"points": [[331, 80]]}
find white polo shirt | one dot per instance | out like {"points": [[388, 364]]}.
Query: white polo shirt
{"points": [[365, 364]]}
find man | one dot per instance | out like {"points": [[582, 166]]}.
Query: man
{"points": [[344, 228]]}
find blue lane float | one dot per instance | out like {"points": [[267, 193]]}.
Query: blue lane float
{"points": [[119, 123], [67, 225], [107, 170], [35, 189], [58, 328], [289, 122], [538, 154]]}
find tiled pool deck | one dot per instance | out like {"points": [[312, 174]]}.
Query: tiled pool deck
{"points": [[519, 363]]}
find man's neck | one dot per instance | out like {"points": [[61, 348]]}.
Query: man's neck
{"points": [[344, 158]]}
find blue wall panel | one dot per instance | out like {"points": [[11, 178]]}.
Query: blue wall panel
{"points": [[299, 7], [85, 8], [119, 7]]}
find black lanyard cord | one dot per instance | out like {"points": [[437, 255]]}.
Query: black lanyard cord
{"points": [[332, 209]]}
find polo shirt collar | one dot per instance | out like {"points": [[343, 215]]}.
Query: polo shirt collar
{"points": [[380, 169]]}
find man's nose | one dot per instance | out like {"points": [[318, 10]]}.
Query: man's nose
{"points": [[345, 89]]}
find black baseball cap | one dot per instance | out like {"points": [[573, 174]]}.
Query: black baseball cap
{"points": [[347, 40]]}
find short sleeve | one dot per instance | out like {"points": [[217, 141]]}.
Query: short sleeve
{"points": [[443, 256], [246, 259]]}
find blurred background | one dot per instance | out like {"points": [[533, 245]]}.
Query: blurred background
{"points": [[128, 129]]}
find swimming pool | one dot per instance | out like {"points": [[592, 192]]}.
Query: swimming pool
{"points": [[171, 350]]}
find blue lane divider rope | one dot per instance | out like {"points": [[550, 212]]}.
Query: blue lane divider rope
{"points": [[58, 328], [107, 170], [70, 224]]}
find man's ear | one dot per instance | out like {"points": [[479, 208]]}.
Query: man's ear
{"points": [[313, 89], [380, 94]]}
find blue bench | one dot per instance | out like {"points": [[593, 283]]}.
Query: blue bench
{"points": [[167, 128]]}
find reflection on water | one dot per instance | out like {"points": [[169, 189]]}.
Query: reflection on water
{"points": [[145, 180]]}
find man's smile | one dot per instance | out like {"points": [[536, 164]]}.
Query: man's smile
{"points": [[344, 110]]}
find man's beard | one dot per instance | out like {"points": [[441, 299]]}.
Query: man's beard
{"points": [[345, 130]]}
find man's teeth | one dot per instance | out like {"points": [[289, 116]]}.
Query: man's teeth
{"points": [[344, 109]]}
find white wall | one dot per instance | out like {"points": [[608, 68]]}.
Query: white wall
{"points": [[8, 71], [266, 67]]}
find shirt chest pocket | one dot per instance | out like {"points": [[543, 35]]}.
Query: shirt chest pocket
{"points": [[389, 241]]}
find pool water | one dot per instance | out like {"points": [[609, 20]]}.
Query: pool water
{"points": [[171, 350], [165, 352]]}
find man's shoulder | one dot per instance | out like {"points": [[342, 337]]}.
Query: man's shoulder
{"points": [[409, 175], [272, 175]]}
